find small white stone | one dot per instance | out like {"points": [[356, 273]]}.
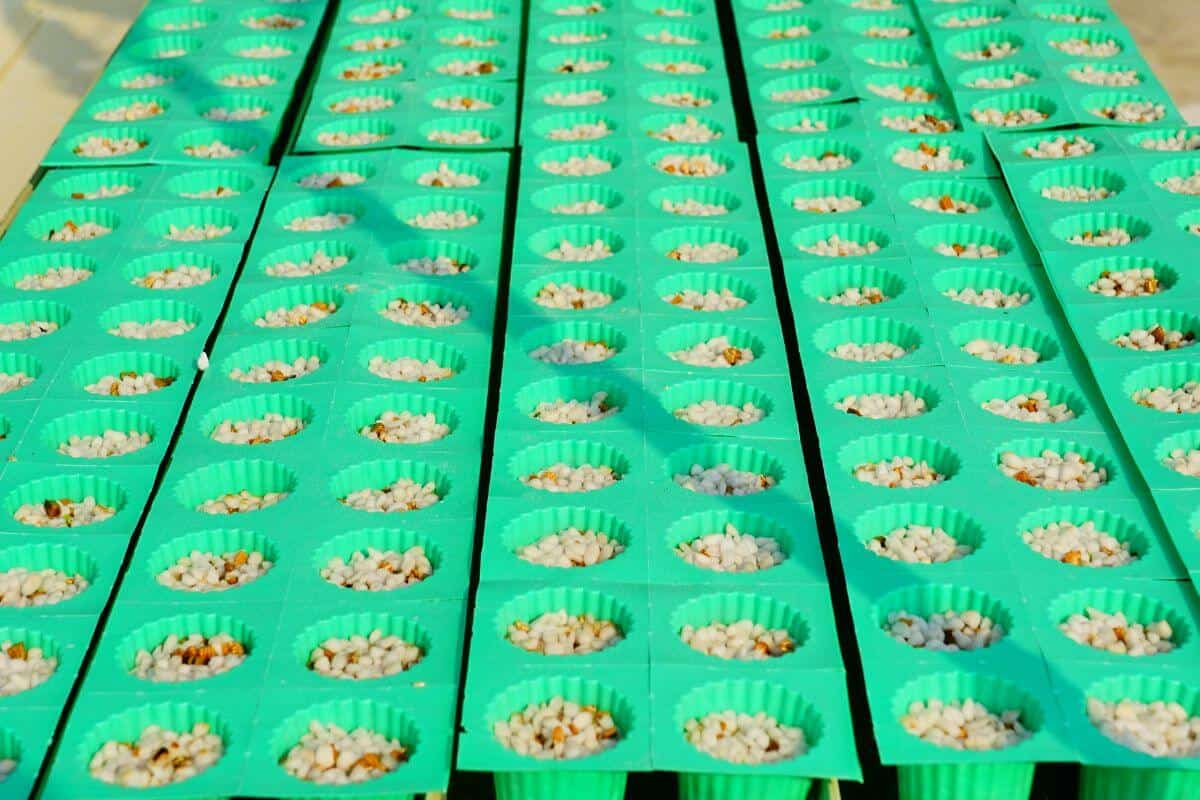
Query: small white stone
{"points": [[965, 725], [214, 149], [563, 477], [731, 551], [22, 668], [409, 370], [191, 657], [898, 472], [881, 405], [707, 253], [200, 571], [405, 427], [1063, 472], [64, 512], [276, 371], [716, 352], [373, 570], [1032, 406], [828, 161], [423, 314], [558, 633], [579, 132], [1085, 46], [855, 296], [1155, 339], [108, 444], [1001, 353], [992, 51], [869, 352], [1180, 140], [691, 166], [1088, 74], [557, 729], [1061, 147], [329, 755], [575, 412], [572, 351], [987, 298], [577, 166], [741, 640], [23, 588], [919, 123], [1185, 462], [721, 415], [297, 315], [1010, 118], [928, 158], [1159, 729], [363, 657], [151, 329], [1082, 545], [571, 547], [159, 757], [1114, 633], [947, 631], [944, 204], [128, 383], [834, 246], [1137, 112], [1182, 399], [568, 296], [569, 251], [723, 480], [181, 276], [240, 502], [740, 738], [827, 204], [903, 93], [105, 147], [918, 544], [401, 495]]}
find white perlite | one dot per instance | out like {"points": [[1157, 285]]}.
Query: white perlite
{"points": [[443, 220], [1136, 112], [968, 725], [792, 63], [1078, 545], [1084, 46], [196, 233], [569, 251], [159, 757], [23, 330], [400, 496], [1061, 472], [463, 67], [992, 51], [799, 95], [405, 427], [463, 136], [64, 512], [708, 301], [330, 755], [360, 658], [1182, 184], [22, 588], [575, 412], [827, 204], [676, 67], [987, 298], [557, 729], [741, 738], [742, 640], [855, 296], [577, 166], [371, 71], [1182, 399], [557, 633], [147, 80], [570, 66], [1011, 81], [374, 43], [276, 371], [1061, 147], [580, 131], [386, 14], [348, 139], [104, 147], [719, 415], [22, 668], [569, 296], [191, 657], [373, 570], [562, 477], [214, 149], [240, 502], [152, 329], [52, 278], [409, 370], [297, 315], [270, 427], [1158, 728], [109, 444], [871, 351], [1155, 339], [247, 80], [690, 130], [12, 381], [181, 276], [201, 571], [446, 178], [928, 158], [731, 551], [219, 114], [918, 544], [716, 352], [1010, 118], [667, 37], [128, 383], [71, 231], [571, 547], [707, 253], [898, 472], [828, 161], [422, 314], [1001, 353], [572, 351], [690, 166], [1032, 406], [587, 97], [903, 93], [1180, 140], [435, 265], [687, 99], [316, 264], [947, 631], [723, 480], [329, 221], [881, 405], [888, 32], [1114, 633], [834, 246], [1077, 194], [1185, 462], [331, 180], [107, 191], [944, 204], [1104, 77]]}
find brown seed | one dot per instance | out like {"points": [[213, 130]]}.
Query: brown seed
{"points": [[1073, 557], [945, 202], [732, 355], [52, 509], [17, 651]]}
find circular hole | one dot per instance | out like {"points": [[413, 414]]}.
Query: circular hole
{"points": [[867, 339], [363, 646], [724, 469], [575, 342], [377, 560], [1031, 400], [1000, 76], [828, 196], [1150, 330], [1180, 453], [1004, 342], [274, 362], [1119, 622], [293, 306], [946, 197], [150, 319], [66, 501], [387, 736], [572, 466], [574, 290], [710, 345], [235, 487], [421, 305], [1014, 110], [791, 55], [716, 403], [18, 370], [739, 626], [1053, 464], [446, 173], [1167, 388], [434, 257], [983, 288], [390, 486], [1077, 183], [581, 242], [789, 724], [882, 396], [48, 271], [171, 270], [107, 746], [943, 617], [729, 541], [73, 225], [412, 360], [571, 401], [575, 61], [1125, 276], [98, 433], [563, 621], [1079, 536], [919, 533], [984, 45], [689, 161], [196, 224], [126, 374], [212, 560], [576, 199], [566, 537], [705, 292], [899, 461], [853, 285], [403, 418], [695, 201], [257, 419], [101, 184], [185, 648], [45, 574], [306, 259], [521, 703], [1014, 714]]}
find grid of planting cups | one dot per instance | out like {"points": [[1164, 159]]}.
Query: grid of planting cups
{"points": [[98, 362], [360, 331], [195, 86], [431, 76], [891, 329], [643, 347]]}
